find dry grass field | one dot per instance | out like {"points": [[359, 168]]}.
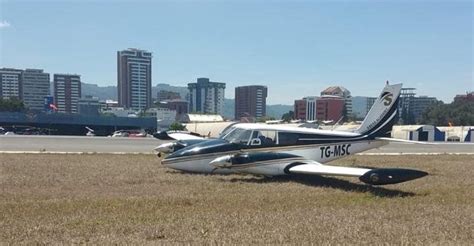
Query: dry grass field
{"points": [[131, 199]]}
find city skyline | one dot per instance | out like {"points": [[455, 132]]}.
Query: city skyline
{"points": [[308, 45]]}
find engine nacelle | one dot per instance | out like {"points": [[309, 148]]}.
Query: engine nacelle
{"points": [[222, 161], [383, 176]]}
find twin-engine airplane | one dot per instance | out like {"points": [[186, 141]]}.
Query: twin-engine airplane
{"points": [[273, 150]]}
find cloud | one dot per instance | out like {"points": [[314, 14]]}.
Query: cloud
{"points": [[4, 24]]}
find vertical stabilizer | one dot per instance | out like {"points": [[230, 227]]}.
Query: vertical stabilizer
{"points": [[383, 114]]}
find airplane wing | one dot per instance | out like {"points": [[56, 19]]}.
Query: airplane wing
{"points": [[377, 176], [320, 169], [183, 136], [273, 163], [177, 135]]}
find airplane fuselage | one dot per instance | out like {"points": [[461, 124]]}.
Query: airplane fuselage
{"points": [[199, 157]]}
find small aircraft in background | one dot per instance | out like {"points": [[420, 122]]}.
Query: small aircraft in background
{"points": [[90, 132], [130, 133], [273, 150]]}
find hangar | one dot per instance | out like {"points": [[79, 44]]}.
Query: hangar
{"points": [[469, 136], [427, 133]]}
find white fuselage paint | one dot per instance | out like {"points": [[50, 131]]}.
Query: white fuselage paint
{"points": [[321, 153]]}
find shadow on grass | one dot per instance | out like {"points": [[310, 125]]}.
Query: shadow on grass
{"points": [[310, 180], [334, 183]]}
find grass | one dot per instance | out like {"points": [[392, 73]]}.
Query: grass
{"points": [[132, 199]]}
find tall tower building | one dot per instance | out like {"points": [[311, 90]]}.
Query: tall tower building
{"points": [[134, 78], [206, 96], [10, 83], [35, 88], [67, 92], [250, 101]]}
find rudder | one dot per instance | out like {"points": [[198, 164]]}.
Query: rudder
{"points": [[383, 114]]}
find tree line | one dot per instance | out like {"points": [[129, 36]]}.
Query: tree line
{"points": [[457, 113], [12, 105]]}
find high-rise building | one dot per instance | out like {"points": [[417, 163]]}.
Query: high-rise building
{"points": [[406, 99], [300, 109], [420, 104], [35, 88], [342, 93], [134, 78], [412, 107], [250, 101], [67, 92], [10, 83], [206, 96], [330, 108], [361, 106], [370, 103]]}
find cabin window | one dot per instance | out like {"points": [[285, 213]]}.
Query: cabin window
{"points": [[264, 138], [287, 138]]}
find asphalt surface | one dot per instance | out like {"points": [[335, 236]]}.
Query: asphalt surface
{"points": [[78, 144], [145, 145]]}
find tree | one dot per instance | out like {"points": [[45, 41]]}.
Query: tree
{"points": [[176, 126], [265, 118], [288, 116], [11, 105], [456, 113]]}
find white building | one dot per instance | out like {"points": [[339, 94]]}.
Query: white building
{"points": [[120, 112], [10, 83], [164, 117], [206, 96], [311, 108]]}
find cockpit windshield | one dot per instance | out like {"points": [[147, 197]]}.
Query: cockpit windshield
{"points": [[239, 136]]}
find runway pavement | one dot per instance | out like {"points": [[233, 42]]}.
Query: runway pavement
{"points": [[78, 144], [19, 143]]}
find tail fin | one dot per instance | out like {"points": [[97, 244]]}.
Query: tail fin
{"points": [[383, 114]]}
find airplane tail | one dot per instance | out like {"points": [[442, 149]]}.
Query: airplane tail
{"points": [[383, 114]]}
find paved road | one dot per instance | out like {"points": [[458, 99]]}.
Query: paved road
{"points": [[146, 145], [77, 144]]}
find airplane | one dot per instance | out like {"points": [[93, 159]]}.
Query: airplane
{"points": [[274, 150]]}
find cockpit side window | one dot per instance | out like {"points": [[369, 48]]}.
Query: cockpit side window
{"points": [[239, 136], [267, 138], [226, 131]]}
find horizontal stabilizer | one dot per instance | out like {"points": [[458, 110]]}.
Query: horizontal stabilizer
{"points": [[405, 141]]}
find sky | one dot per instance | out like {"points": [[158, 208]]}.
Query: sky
{"points": [[296, 48]]}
